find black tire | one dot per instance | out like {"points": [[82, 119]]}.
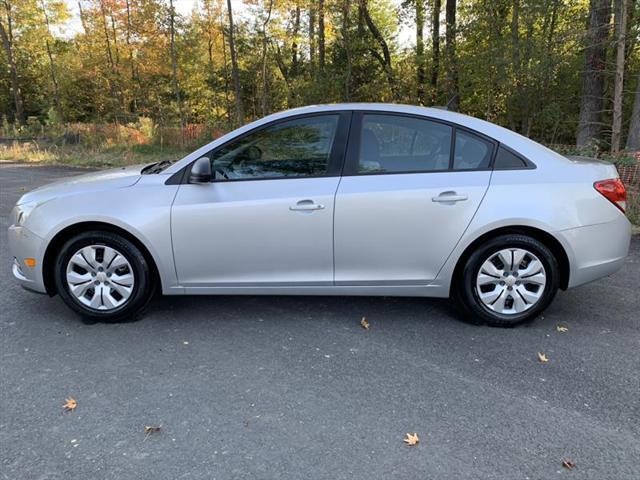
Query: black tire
{"points": [[143, 287], [466, 297]]}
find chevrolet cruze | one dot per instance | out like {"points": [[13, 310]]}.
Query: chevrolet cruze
{"points": [[351, 199]]}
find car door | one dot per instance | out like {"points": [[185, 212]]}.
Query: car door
{"points": [[266, 218], [410, 189]]}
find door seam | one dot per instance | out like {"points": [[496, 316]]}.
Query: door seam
{"points": [[333, 230], [465, 230]]}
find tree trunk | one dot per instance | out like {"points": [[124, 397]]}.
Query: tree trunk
{"points": [[116, 50], [453, 97], [294, 44], [107, 41], [593, 77], [7, 43], [420, 70], [385, 59], [347, 47], [621, 30], [227, 101], [633, 139], [312, 37], [134, 101], [52, 65], [514, 108], [435, 55], [321, 49], [83, 21], [264, 59], [285, 75], [235, 74], [174, 65]]}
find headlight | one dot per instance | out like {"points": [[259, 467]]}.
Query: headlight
{"points": [[21, 212]]}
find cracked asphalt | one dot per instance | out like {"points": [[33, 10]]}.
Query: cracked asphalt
{"points": [[293, 387]]}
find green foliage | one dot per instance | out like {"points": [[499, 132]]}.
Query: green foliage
{"points": [[520, 69]]}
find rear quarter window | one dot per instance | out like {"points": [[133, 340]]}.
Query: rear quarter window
{"points": [[508, 160]]}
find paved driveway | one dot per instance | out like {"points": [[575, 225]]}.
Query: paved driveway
{"points": [[293, 387]]}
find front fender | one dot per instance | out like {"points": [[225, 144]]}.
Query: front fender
{"points": [[143, 211]]}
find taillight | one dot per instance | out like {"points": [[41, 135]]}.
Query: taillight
{"points": [[614, 191]]}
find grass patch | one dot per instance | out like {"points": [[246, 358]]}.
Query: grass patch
{"points": [[83, 156]]}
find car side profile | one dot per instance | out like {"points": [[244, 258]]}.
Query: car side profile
{"points": [[345, 199]]}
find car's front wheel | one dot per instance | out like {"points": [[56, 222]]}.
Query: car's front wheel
{"points": [[103, 276], [507, 280]]}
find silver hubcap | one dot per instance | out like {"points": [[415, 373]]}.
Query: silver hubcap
{"points": [[100, 277], [511, 281]]}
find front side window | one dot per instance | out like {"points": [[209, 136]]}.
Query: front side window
{"points": [[293, 148], [393, 143]]}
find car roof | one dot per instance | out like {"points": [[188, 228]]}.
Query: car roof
{"points": [[519, 143]]}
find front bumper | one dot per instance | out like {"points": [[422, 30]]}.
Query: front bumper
{"points": [[23, 243], [597, 250]]}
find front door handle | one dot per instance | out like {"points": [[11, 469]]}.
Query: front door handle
{"points": [[446, 197], [306, 206]]}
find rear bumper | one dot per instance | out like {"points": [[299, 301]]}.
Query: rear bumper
{"points": [[596, 251], [25, 244]]}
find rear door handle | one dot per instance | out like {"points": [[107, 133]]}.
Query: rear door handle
{"points": [[306, 206], [446, 197]]}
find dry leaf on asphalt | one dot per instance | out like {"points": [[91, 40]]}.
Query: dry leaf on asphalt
{"points": [[364, 323], [562, 328], [568, 464], [148, 430], [542, 357], [412, 439], [70, 405]]}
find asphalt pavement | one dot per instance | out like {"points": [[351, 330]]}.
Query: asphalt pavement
{"points": [[294, 387]]}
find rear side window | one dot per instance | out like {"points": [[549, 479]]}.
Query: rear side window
{"points": [[471, 152], [393, 143], [506, 159]]}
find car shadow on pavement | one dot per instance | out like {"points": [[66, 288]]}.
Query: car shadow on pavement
{"points": [[296, 308]]}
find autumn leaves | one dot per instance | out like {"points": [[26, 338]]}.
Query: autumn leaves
{"points": [[411, 439], [71, 404], [542, 357]]}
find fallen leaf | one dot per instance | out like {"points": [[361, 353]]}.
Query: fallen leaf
{"points": [[70, 405], [566, 463], [412, 439], [364, 324], [562, 328], [542, 357], [148, 430]]}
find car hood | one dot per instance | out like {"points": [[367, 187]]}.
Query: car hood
{"points": [[94, 181]]}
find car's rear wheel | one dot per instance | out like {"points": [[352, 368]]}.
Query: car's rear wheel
{"points": [[103, 276], [507, 280]]}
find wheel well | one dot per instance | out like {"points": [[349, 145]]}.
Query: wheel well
{"points": [[65, 234], [547, 239]]}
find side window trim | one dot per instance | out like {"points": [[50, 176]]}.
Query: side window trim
{"points": [[352, 156], [335, 163]]}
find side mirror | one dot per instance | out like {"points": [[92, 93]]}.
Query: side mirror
{"points": [[200, 171]]}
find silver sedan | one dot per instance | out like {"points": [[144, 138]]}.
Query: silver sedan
{"points": [[351, 199]]}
